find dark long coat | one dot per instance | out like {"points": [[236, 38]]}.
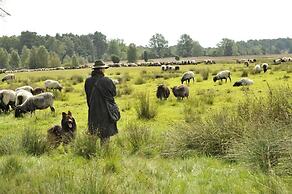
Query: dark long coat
{"points": [[99, 121]]}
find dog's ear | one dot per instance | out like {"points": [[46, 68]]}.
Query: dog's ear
{"points": [[69, 113], [64, 114]]}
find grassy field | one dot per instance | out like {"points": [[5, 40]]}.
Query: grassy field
{"points": [[153, 155]]}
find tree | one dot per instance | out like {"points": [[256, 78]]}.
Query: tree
{"points": [[74, 61], [115, 59], [132, 53], [113, 48], [25, 53], [29, 39], [14, 59], [54, 60], [185, 46], [33, 58], [100, 45], [197, 49], [145, 56], [226, 45], [158, 45], [4, 58], [42, 57]]}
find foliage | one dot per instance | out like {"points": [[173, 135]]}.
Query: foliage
{"points": [[14, 59], [145, 56], [4, 58], [158, 45], [132, 53], [33, 143], [115, 58], [144, 108], [185, 46]]}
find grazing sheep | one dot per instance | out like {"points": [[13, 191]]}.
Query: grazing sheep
{"points": [[163, 67], [40, 101], [180, 91], [277, 61], [176, 68], [7, 98], [8, 77], [265, 67], [162, 92], [257, 69], [187, 76], [222, 75], [246, 63], [52, 84], [243, 82], [27, 88], [37, 91], [21, 96]]}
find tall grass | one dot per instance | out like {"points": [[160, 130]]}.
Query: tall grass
{"points": [[33, 143], [144, 108]]}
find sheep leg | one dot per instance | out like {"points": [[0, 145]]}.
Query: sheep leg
{"points": [[52, 108], [193, 80], [229, 78]]}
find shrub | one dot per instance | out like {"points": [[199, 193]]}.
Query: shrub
{"points": [[124, 90], [244, 73], [60, 96], [144, 108], [189, 111], [68, 89], [140, 81], [208, 97], [85, 146], [77, 79], [199, 79], [137, 135], [205, 74], [177, 58], [7, 145], [11, 166], [115, 59], [33, 143]]}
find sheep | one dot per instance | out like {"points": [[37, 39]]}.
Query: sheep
{"points": [[8, 77], [277, 61], [7, 98], [38, 90], [40, 101], [52, 84], [21, 96], [246, 63], [176, 68], [163, 67], [115, 81], [27, 88], [162, 92], [243, 82], [265, 67], [257, 69], [222, 75], [187, 76], [180, 91]]}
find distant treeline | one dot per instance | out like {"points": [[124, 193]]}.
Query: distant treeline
{"points": [[30, 50]]}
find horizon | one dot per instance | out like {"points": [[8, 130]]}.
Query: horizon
{"points": [[133, 23]]}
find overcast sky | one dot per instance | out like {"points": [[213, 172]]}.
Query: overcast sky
{"points": [[207, 21]]}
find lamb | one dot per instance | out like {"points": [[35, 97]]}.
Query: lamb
{"points": [[187, 76], [7, 98], [180, 91], [21, 96], [257, 69], [8, 77], [265, 67], [40, 101], [52, 84], [162, 92], [27, 88], [222, 75], [243, 82]]}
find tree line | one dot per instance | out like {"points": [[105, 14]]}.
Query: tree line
{"points": [[30, 50]]}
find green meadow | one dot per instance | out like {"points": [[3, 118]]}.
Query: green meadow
{"points": [[222, 139]]}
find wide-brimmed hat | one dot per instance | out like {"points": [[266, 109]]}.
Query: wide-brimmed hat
{"points": [[99, 64]]}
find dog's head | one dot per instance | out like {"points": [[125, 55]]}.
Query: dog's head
{"points": [[68, 122]]}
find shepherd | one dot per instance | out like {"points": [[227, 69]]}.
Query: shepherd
{"points": [[103, 112]]}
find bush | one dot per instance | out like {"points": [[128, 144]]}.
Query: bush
{"points": [[124, 90], [137, 135], [115, 59], [33, 143], [7, 145], [85, 146], [144, 108], [140, 81], [189, 111], [177, 58], [205, 74], [244, 73], [11, 166], [77, 79]]}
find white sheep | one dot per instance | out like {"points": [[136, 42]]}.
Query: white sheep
{"points": [[40, 101], [243, 82], [27, 88], [257, 68], [7, 98], [21, 96], [222, 75], [52, 84], [265, 67], [163, 67], [8, 77]]}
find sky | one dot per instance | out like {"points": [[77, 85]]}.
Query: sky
{"points": [[135, 21]]}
